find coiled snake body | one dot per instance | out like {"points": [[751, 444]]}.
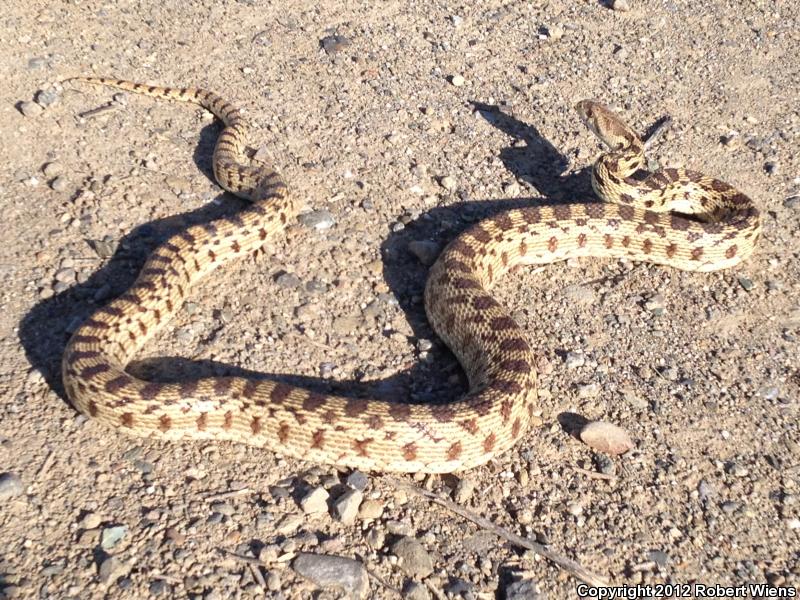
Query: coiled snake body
{"points": [[639, 220]]}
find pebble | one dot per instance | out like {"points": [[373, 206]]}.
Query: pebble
{"points": [[325, 571], [588, 390], [655, 304], [792, 202], [65, 275], [620, 5], [464, 490], [288, 281], [112, 536], [581, 295], [425, 251], [111, 569], [315, 501], [59, 184], [90, 520], [357, 481], [47, 97], [318, 219], [448, 183], [53, 169], [223, 508], [371, 509], [606, 437], [457, 80], [10, 486], [575, 360], [346, 506], [746, 283], [413, 590], [29, 108], [416, 562], [158, 587], [105, 248], [333, 44], [526, 589]]}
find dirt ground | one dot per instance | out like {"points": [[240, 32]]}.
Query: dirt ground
{"points": [[418, 119]]}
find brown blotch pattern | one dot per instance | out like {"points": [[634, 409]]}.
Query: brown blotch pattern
{"points": [[454, 451], [489, 442], [164, 423]]}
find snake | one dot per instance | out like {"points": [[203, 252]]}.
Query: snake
{"points": [[673, 217]]}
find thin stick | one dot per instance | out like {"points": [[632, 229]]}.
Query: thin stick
{"points": [[48, 462], [225, 495], [595, 474], [568, 565], [258, 576]]}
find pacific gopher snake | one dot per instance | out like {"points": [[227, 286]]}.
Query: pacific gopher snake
{"points": [[640, 222]]}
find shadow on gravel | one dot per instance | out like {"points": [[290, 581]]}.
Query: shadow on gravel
{"points": [[43, 331]]}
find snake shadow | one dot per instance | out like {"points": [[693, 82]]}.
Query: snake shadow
{"points": [[45, 329]]}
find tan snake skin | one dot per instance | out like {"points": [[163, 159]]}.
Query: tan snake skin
{"points": [[641, 224]]}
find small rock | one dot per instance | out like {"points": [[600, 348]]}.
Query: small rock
{"points": [[448, 183], [416, 562], [620, 5], [288, 524], [158, 587], [659, 557], [792, 202], [464, 490], [371, 509], [588, 390], [111, 536], [606, 437], [59, 184], [29, 108], [771, 167], [426, 252], [333, 44], [525, 589], [655, 304], [318, 219], [223, 508], [111, 569], [457, 80], [10, 486], [357, 481], [746, 283], [288, 281], [575, 360], [346, 506], [104, 248], [325, 571], [90, 520], [413, 590], [315, 501], [47, 97], [53, 169], [65, 275]]}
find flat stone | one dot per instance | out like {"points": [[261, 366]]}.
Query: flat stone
{"points": [[415, 560], [315, 501], [425, 251], [333, 44], [111, 569], [357, 481], [10, 486], [464, 490], [318, 219], [112, 536], [346, 506], [29, 108], [325, 570]]}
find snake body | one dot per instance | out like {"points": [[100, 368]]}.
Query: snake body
{"points": [[639, 220]]}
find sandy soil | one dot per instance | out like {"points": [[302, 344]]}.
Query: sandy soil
{"points": [[702, 370]]}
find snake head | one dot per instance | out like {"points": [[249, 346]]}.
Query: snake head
{"points": [[606, 125]]}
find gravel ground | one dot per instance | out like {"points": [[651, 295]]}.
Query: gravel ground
{"points": [[398, 124]]}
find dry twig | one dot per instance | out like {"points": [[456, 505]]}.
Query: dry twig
{"points": [[570, 566]]}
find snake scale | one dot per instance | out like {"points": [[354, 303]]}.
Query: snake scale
{"points": [[671, 217]]}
